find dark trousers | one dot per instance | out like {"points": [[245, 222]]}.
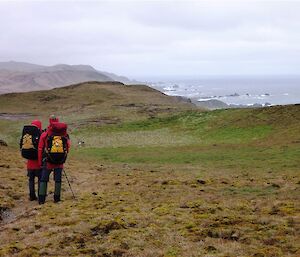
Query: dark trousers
{"points": [[57, 174], [31, 174]]}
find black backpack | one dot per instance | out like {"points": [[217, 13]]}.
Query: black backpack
{"points": [[29, 142], [57, 144]]}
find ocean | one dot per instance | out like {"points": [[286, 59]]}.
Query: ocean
{"points": [[234, 90]]}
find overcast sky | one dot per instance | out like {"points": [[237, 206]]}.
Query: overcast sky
{"points": [[155, 38]]}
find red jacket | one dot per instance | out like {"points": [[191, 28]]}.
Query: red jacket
{"points": [[34, 164], [42, 145]]}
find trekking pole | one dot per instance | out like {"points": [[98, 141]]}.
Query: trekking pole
{"points": [[69, 184]]}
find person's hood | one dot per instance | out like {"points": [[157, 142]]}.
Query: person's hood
{"points": [[51, 120], [37, 123]]}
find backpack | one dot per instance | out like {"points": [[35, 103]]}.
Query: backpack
{"points": [[29, 142], [57, 143]]}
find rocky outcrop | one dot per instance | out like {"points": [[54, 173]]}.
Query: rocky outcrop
{"points": [[212, 104]]}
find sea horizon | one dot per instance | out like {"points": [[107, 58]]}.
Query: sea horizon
{"points": [[234, 89]]}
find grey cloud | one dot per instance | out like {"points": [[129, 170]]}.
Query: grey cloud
{"points": [[144, 38]]}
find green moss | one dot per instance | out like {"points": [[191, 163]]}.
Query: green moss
{"points": [[172, 252], [163, 209], [190, 225]]}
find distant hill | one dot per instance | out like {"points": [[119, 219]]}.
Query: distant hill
{"points": [[24, 77], [91, 99]]}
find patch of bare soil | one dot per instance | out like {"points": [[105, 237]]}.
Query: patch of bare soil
{"points": [[6, 215], [130, 105], [2, 143], [15, 116]]}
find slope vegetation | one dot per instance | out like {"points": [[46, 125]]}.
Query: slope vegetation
{"points": [[155, 177]]}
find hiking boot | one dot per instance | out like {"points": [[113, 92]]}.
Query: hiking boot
{"points": [[42, 199], [56, 198], [32, 197]]}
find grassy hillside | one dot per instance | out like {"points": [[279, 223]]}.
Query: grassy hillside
{"points": [[86, 104], [156, 177]]}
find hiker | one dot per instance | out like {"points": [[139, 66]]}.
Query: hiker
{"points": [[29, 150], [53, 148]]}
